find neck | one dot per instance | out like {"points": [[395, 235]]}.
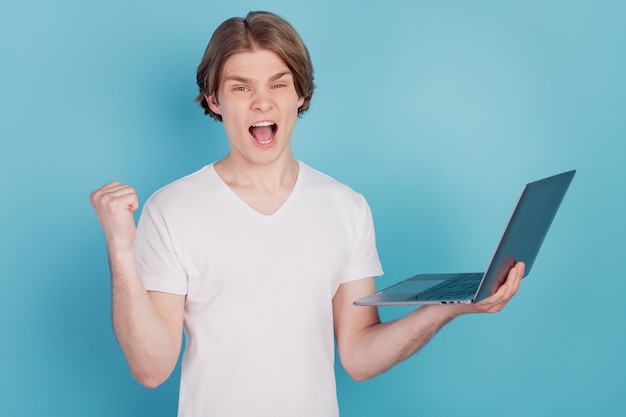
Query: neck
{"points": [[278, 174]]}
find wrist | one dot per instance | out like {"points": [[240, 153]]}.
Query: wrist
{"points": [[121, 252], [447, 312]]}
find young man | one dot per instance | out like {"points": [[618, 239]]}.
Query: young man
{"points": [[258, 257]]}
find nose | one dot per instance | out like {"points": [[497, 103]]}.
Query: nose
{"points": [[262, 101]]}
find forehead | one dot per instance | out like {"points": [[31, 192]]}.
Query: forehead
{"points": [[258, 65]]}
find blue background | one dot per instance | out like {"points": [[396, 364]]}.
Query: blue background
{"points": [[438, 112]]}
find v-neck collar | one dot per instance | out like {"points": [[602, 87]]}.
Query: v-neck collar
{"points": [[283, 207]]}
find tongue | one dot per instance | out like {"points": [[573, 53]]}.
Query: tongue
{"points": [[261, 133]]}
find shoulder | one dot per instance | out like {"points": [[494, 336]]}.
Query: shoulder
{"points": [[183, 189], [318, 181], [323, 191]]}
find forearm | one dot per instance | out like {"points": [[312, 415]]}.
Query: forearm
{"points": [[381, 346], [368, 347], [144, 336]]}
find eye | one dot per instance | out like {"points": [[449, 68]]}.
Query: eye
{"points": [[279, 85], [240, 88]]}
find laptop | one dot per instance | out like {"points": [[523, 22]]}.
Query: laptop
{"points": [[521, 241]]}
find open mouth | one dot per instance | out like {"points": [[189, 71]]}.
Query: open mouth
{"points": [[263, 132]]}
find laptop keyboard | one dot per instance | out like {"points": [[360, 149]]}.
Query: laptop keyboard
{"points": [[460, 286]]}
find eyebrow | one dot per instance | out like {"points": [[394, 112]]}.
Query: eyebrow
{"points": [[249, 81]]}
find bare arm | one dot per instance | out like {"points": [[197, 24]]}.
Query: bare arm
{"points": [[148, 325], [368, 347]]}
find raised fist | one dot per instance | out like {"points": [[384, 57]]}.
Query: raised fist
{"points": [[114, 204]]}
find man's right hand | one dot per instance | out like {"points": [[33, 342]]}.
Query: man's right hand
{"points": [[114, 204]]}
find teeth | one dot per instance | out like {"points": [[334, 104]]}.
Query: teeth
{"points": [[261, 124]]}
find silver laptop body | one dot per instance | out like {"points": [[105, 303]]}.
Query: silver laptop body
{"points": [[521, 240]]}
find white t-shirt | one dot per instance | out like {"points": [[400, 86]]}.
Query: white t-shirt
{"points": [[258, 313]]}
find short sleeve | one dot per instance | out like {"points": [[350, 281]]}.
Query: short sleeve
{"points": [[159, 265], [363, 261]]}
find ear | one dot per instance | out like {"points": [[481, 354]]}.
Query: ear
{"points": [[300, 102], [213, 104]]}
